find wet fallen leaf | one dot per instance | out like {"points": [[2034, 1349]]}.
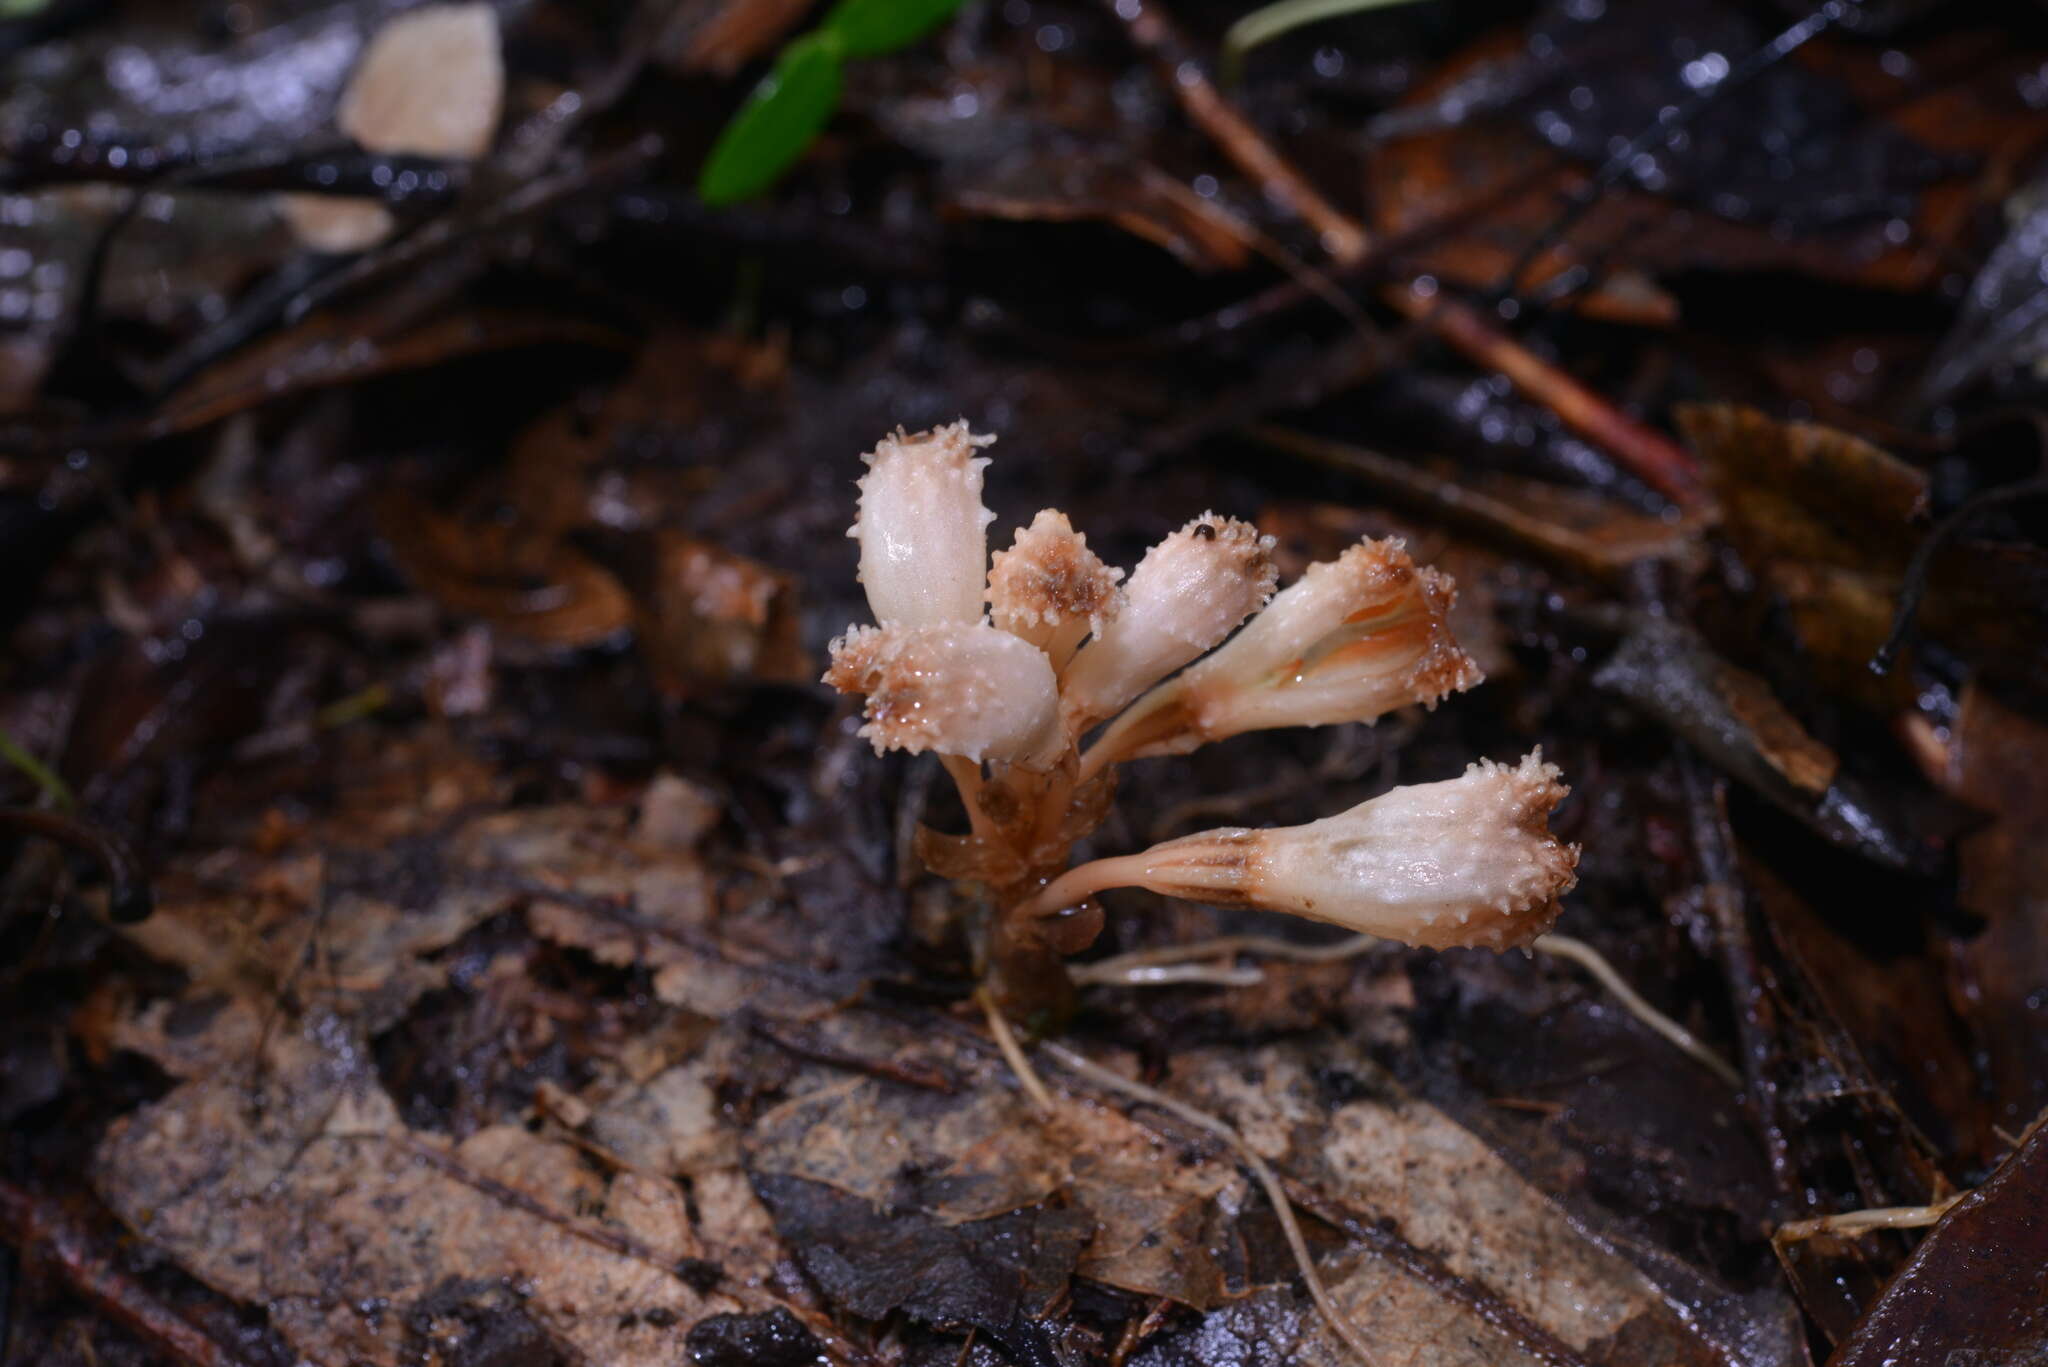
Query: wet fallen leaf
{"points": [[1976, 1289], [1998, 761], [526, 584], [289, 1181], [1669, 672]]}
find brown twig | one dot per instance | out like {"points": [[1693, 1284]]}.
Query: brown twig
{"points": [[128, 895], [47, 1235], [1157, 38], [908, 1072], [1756, 1021], [1653, 457]]}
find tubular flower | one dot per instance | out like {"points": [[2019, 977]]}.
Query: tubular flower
{"points": [[922, 530], [1466, 862], [970, 691], [1189, 592], [1050, 589], [1350, 640]]}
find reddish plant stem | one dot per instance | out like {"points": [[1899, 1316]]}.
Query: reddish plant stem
{"points": [[1653, 457], [1157, 38], [49, 1237]]}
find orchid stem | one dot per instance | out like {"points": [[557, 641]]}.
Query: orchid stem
{"points": [[966, 776]]}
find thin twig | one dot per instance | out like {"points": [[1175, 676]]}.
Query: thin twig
{"points": [[1149, 28], [1282, 1207], [128, 895], [1653, 457], [1670, 122], [1495, 514], [1264, 946], [1913, 586], [1164, 975], [909, 1073], [1753, 1003]]}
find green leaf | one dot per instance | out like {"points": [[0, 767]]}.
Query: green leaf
{"points": [[1283, 16], [777, 122], [868, 27], [42, 774]]}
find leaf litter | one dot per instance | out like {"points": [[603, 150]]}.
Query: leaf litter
{"points": [[540, 970]]}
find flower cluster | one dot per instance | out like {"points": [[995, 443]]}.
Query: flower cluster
{"points": [[1006, 668]]}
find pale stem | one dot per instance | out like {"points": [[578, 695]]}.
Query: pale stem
{"points": [[1083, 881], [1863, 1221], [1013, 1054], [1166, 975], [1595, 963], [1137, 969], [966, 775], [1268, 1180], [1095, 759]]}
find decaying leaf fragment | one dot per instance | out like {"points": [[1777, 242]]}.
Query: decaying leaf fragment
{"points": [[293, 1185], [430, 84]]}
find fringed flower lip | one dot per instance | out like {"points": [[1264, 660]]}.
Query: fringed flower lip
{"points": [[1351, 640], [967, 691], [1050, 589], [1187, 594]]}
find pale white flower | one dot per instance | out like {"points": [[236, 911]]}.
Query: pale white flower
{"points": [[1350, 640], [922, 530], [1469, 861], [1189, 592], [970, 691], [1050, 589]]}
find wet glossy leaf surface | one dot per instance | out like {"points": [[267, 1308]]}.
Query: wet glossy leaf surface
{"points": [[543, 970]]}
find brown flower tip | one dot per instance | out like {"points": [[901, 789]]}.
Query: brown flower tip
{"points": [[1188, 593], [1350, 640], [1050, 589]]}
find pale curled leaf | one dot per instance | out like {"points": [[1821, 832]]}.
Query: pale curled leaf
{"points": [[431, 83]]}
